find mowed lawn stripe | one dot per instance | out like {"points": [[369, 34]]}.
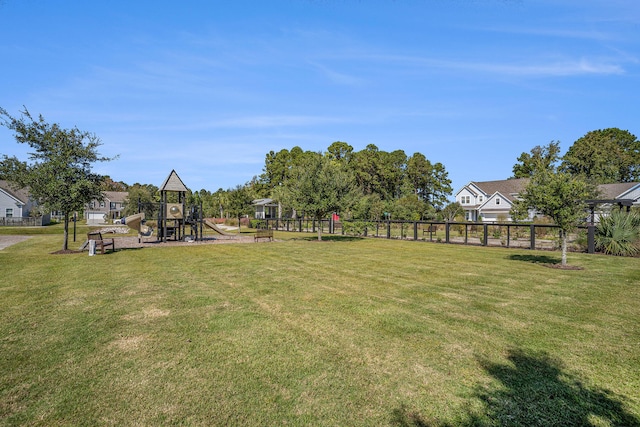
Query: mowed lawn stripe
{"points": [[354, 332]]}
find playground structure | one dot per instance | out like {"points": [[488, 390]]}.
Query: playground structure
{"points": [[174, 215], [172, 221]]}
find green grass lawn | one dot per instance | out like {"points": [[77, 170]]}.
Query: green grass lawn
{"points": [[347, 332]]}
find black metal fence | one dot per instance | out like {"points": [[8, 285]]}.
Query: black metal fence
{"points": [[510, 235]]}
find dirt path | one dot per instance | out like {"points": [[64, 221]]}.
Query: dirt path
{"points": [[6, 241]]}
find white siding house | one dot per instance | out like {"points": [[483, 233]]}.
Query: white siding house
{"points": [[14, 203], [491, 201]]}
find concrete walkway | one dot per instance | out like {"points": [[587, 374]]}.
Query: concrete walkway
{"points": [[6, 241]]}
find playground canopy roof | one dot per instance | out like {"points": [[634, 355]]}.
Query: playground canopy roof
{"points": [[173, 183]]}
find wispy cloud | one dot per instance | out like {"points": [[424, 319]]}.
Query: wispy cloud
{"points": [[337, 77], [532, 68]]}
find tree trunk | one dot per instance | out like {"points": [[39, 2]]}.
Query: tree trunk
{"points": [[65, 244], [563, 235]]}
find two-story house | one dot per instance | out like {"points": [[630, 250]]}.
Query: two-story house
{"points": [[491, 201], [111, 207]]}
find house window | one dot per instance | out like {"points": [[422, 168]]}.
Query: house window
{"points": [[8, 213], [102, 204], [480, 199], [497, 200], [112, 206]]}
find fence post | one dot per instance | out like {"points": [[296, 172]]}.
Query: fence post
{"points": [[532, 237], [446, 232], [415, 230], [485, 234], [591, 238], [388, 229]]}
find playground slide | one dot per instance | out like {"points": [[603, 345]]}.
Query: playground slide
{"points": [[135, 222], [217, 229]]}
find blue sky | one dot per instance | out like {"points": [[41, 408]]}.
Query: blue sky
{"points": [[208, 88]]}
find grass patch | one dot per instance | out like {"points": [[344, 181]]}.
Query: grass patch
{"points": [[352, 332]]}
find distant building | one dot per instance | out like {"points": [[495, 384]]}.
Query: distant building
{"points": [[112, 207], [265, 208], [16, 206], [14, 203], [491, 201]]}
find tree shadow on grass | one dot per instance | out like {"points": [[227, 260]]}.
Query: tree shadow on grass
{"points": [[536, 259], [533, 390]]}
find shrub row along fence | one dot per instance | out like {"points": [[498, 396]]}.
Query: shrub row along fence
{"points": [[526, 236]]}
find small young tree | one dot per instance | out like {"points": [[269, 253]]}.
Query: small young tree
{"points": [[320, 186], [560, 196], [59, 176]]}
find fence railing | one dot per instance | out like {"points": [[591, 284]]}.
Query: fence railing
{"points": [[510, 235], [25, 222]]}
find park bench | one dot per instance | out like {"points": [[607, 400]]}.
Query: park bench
{"points": [[263, 234], [101, 242], [430, 229]]}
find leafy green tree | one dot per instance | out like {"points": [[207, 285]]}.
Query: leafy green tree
{"points": [[59, 175], [239, 201], [143, 197], [392, 171], [320, 186], [560, 196], [370, 207], [110, 185], [220, 201], [451, 211], [278, 166], [441, 186], [409, 208], [340, 151], [367, 170], [605, 156], [545, 157]]}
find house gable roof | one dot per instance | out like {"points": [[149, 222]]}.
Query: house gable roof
{"points": [[21, 195], [487, 206], [116, 196], [618, 190], [471, 188], [508, 188]]}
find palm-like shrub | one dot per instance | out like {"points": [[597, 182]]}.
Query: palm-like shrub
{"points": [[619, 233]]}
